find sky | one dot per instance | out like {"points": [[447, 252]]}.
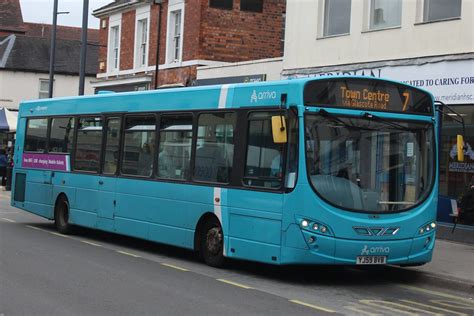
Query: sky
{"points": [[41, 11]]}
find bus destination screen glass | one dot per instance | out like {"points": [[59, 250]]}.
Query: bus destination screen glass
{"points": [[367, 94], [377, 166]]}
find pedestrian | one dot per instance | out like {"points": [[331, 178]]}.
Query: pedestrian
{"points": [[466, 205]]}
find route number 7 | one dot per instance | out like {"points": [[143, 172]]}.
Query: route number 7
{"points": [[407, 98]]}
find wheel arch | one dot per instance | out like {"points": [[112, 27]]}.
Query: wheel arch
{"points": [[199, 227]]}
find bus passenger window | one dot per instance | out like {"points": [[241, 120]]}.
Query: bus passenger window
{"points": [[36, 135], [88, 144], [214, 147], [175, 147], [264, 162], [112, 143], [61, 135], [139, 146]]}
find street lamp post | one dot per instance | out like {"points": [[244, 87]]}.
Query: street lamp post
{"points": [[82, 71], [52, 53]]}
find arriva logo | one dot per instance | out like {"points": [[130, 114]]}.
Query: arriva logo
{"points": [[41, 108], [264, 95], [368, 251]]}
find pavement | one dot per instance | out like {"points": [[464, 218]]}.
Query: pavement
{"points": [[452, 265]]}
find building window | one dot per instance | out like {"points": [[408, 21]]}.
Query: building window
{"points": [[337, 17], [142, 37], [221, 4], [251, 5], [385, 13], [175, 36], [455, 176], [114, 47], [43, 89], [441, 9]]}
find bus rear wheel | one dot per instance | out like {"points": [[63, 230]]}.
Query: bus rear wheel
{"points": [[212, 243], [61, 216]]}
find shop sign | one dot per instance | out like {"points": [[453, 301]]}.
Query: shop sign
{"points": [[228, 80], [451, 82], [466, 166]]}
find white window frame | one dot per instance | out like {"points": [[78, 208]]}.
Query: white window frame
{"points": [[423, 14], [142, 14], [370, 27], [170, 36], [114, 22], [45, 93], [322, 20]]}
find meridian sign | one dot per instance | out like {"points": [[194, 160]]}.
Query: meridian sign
{"points": [[360, 93]]}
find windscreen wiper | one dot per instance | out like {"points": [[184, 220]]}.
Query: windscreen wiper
{"points": [[387, 122], [334, 118]]}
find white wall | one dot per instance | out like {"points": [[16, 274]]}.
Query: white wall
{"points": [[304, 49], [19, 86], [271, 67]]}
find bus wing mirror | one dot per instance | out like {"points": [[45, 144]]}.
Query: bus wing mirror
{"points": [[460, 147], [279, 129]]}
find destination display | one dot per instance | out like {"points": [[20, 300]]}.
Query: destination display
{"points": [[367, 94]]}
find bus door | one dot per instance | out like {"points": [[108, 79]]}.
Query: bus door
{"points": [[108, 180], [256, 210]]}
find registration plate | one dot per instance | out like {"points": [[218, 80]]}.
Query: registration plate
{"points": [[371, 260]]}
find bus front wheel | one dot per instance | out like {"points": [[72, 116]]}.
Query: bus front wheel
{"points": [[212, 243], [61, 215]]}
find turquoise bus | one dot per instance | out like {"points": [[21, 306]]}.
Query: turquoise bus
{"points": [[336, 170]]}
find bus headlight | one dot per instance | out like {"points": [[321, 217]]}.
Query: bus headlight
{"points": [[314, 226], [428, 227]]}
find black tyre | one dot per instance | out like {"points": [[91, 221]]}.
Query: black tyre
{"points": [[212, 243], [61, 216]]}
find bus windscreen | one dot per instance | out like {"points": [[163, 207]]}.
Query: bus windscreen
{"points": [[367, 94]]}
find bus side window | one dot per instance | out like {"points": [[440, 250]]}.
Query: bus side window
{"points": [[139, 146], [214, 147], [61, 135], [88, 144], [112, 143], [176, 132], [263, 167], [36, 135]]}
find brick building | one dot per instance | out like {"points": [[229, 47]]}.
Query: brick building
{"points": [[192, 33]]}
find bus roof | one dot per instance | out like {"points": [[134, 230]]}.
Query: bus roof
{"points": [[261, 94]]}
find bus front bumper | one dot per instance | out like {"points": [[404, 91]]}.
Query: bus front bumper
{"points": [[319, 249]]}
